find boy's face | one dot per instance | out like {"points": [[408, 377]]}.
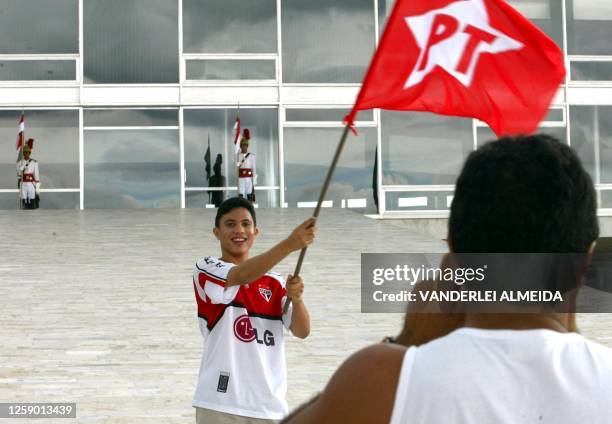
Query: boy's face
{"points": [[236, 233]]}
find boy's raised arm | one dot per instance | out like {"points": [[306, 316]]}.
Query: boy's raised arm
{"points": [[255, 267]]}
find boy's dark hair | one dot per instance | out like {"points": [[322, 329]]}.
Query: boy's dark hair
{"points": [[233, 203], [528, 194]]}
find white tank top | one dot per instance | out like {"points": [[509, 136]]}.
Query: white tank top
{"points": [[505, 376]]}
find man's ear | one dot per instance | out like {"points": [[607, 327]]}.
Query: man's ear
{"points": [[256, 231], [216, 232]]}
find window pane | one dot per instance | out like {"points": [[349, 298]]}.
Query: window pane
{"points": [[35, 26], [421, 148], [308, 154], [327, 42], [546, 14], [131, 169], [606, 199], [485, 135], [231, 69], [37, 70], [591, 71], [130, 118], [265, 198], [130, 41], [229, 26], [216, 125], [418, 200], [554, 115], [47, 200], [589, 27], [591, 135], [385, 7], [56, 146], [325, 115]]}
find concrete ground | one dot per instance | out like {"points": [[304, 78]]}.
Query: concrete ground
{"points": [[98, 305]]}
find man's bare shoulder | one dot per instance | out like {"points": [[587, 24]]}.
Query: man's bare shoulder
{"points": [[361, 391]]}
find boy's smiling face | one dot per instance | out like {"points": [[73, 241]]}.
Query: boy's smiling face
{"points": [[236, 234]]}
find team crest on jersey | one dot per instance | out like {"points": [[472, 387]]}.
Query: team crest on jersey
{"points": [[266, 293]]}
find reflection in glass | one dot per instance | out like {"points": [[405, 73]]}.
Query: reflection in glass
{"points": [[48, 200], [484, 134], [385, 7], [130, 41], [202, 199], [546, 14], [39, 27], [591, 135], [247, 69], [554, 115], [327, 42], [606, 199], [56, 146], [423, 148], [308, 154], [131, 169], [130, 117], [214, 127], [325, 115], [591, 71], [418, 200], [589, 27], [229, 26], [37, 70]]}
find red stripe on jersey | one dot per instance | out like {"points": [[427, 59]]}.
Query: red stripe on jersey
{"points": [[205, 276], [209, 277], [207, 310]]}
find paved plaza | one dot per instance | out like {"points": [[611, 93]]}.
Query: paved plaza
{"points": [[98, 305]]}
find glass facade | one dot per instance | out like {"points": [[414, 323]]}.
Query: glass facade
{"points": [[327, 42], [132, 103], [130, 42], [209, 134]]}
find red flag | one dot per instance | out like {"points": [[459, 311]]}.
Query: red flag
{"points": [[20, 130], [237, 133], [473, 58]]}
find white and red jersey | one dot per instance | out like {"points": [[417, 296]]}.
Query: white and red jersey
{"points": [[243, 369]]}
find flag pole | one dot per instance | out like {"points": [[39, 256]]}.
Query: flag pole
{"points": [[237, 156], [209, 160], [20, 158], [315, 215]]}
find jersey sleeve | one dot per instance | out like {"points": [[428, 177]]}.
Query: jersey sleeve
{"points": [[287, 315], [210, 275]]}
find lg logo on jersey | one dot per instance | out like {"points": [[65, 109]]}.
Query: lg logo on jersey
{"points": [[244, 331]]}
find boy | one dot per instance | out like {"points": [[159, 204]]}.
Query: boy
{"points": [[243, 378]]}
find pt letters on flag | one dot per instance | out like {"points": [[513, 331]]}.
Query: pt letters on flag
{"points": [[471, 58]]}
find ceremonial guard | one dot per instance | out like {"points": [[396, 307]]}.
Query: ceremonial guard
{"points": [[28, 178], [246, 168]]}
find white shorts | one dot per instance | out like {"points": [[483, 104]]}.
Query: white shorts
{"points": [[245, 186], [28, 191]]}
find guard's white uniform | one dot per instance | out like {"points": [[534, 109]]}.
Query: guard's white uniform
{"points": [[246, 173], [243, 369], [28, 171]]}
